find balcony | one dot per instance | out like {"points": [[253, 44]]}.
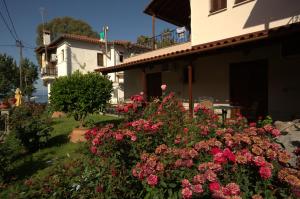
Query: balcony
{"points": [[49, 72], [165, 43], [166, 39]]}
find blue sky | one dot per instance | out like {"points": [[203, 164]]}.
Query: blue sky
{"points": [[125, 19]]}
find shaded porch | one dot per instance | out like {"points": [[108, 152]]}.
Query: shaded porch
{"points": [[206, 71]]}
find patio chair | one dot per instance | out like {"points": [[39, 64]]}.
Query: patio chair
{"points": [[208, 102]]}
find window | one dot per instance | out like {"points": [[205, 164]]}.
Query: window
{"points": [[121, 56], [218, 5], [62, 55], [100, 59]]}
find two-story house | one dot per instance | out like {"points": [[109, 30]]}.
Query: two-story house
{"points": [[69, 53], [241, 52]]}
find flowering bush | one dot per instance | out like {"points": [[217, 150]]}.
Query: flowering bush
{"points": [[173, 156], [163, 153]]}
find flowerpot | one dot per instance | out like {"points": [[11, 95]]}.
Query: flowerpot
{"points": [[77, 135]]}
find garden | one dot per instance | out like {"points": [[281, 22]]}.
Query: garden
{"points": [[157, 151]]}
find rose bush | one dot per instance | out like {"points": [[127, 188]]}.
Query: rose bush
{"points": [[173, 156], [159, 152]]}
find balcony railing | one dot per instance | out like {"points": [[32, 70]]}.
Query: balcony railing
{"points": [[49, 71], [166, 39]]}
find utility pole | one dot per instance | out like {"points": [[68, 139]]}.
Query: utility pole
{"points": [[105, 29], [20, 45]]}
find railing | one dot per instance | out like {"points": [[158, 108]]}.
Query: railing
{"points": [[166, 39], [49, 71]]}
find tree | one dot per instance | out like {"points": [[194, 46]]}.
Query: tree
{"points": [[29, 76], [9, 75], [64, 25], [80, 94]]}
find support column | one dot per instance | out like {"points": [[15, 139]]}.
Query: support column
{"points": [[144, 82], [153, 32], [191, 101]]}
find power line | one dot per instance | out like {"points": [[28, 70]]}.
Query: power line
{"points": [[7, 26], [11, 21]]}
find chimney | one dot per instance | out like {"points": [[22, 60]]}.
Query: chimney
{"points": [[46, 37]]}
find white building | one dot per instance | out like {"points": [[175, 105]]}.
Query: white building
{"points": [[69, 53], [240, 52]]}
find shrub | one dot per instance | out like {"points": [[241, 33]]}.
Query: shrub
{"points": [[173, 156], [165, 154], [80, 94], [10, 150], [29, 126]]}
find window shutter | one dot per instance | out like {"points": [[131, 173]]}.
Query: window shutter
{"points": [[100, 59]]}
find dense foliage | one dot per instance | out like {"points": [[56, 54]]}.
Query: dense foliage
{"points": [[80, 94], [29, 77], [165, 154], [28, 125], [10, 76], [61, 25]]}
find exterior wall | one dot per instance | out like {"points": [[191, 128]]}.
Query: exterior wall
{"points": [[212, 79], [132, 82], [84, 56], [247, 17], [63, 53]]}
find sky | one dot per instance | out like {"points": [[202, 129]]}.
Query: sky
{"points": [[125, 19]]}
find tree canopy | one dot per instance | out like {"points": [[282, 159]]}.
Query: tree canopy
{"points": [[64, 25], [80, 94], [29, 76], [10, 76]]}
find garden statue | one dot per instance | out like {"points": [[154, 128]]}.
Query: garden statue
{"points": [[18, 96]]}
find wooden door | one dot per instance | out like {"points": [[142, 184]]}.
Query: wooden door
{"points": [[249, 88], [153, 85]]}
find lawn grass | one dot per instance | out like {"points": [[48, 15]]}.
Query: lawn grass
{"points": [[57, 150]]}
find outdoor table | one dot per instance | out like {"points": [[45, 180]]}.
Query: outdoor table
{"points": [[225, 109]]}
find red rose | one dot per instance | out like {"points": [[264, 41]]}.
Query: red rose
{"points": [[214, 186]]}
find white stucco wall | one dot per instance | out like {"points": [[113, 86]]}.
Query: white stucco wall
{"points": [[252, 16]]}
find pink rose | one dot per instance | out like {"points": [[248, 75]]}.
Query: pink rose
{"points": [[163, 87], [265, 172], [152, 180], [93, 149], [119, 136], [186, 193], [275, 132], [198, 188], [185, 183], [233, 188], [133, 138], [259, 161]]}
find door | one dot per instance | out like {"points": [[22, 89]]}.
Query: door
{"points": [[153, 85], [249, 88]]}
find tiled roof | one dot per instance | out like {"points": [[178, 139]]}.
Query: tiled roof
{"points": [[246, 38], [87, 39]]}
